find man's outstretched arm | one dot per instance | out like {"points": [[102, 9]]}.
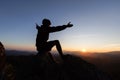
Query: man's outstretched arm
{"points": [[59, 28]]}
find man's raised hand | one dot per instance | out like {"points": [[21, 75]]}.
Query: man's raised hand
{"points": [[37, 26], [69, 25]]}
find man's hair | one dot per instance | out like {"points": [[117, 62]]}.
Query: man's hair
{"points": [[46, 21]]}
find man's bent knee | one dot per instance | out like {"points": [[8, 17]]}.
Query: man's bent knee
{"points": [[57, 41]]}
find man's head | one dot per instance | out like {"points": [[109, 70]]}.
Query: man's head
{"points": [[46, 22]]}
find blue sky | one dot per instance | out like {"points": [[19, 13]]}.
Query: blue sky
{"points": [[96, 23]]}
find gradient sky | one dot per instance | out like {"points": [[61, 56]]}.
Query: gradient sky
{"points": [[96, 23]]}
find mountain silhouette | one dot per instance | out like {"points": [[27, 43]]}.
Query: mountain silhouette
{"points": [[43, 68]]}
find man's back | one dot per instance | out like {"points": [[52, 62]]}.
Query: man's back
{"points": [[43, 33]]}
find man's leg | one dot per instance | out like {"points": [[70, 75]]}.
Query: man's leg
{"points": [[58, 46]]}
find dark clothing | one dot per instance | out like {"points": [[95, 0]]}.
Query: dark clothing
{"points": [[42, 42], [47, 46]]}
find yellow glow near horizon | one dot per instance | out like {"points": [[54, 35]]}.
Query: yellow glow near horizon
{"points": [[84, 50], [65, 48]]}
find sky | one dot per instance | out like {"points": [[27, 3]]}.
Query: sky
{"points": [[96, 23]]}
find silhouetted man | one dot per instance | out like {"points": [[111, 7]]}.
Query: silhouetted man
{"points": [[42, 43]]}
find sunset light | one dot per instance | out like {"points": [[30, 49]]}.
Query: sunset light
{"points": [[95, 24], [60, 39], [84, 50]]}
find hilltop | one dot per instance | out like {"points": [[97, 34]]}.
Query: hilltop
{"points": [[34, 67]]}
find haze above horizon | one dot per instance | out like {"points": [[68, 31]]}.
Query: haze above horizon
{"points": [[96, 23]]}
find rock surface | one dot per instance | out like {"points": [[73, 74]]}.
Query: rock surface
{"points": [[42, 68]]}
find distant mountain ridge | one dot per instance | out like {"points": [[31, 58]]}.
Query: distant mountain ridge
{"points": [[18, 52]]}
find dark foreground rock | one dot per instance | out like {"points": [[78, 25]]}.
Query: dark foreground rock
{"points": [[42, 68]]}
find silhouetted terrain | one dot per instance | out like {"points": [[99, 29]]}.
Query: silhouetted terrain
{"points": [[42, 68], [108, 62]]}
